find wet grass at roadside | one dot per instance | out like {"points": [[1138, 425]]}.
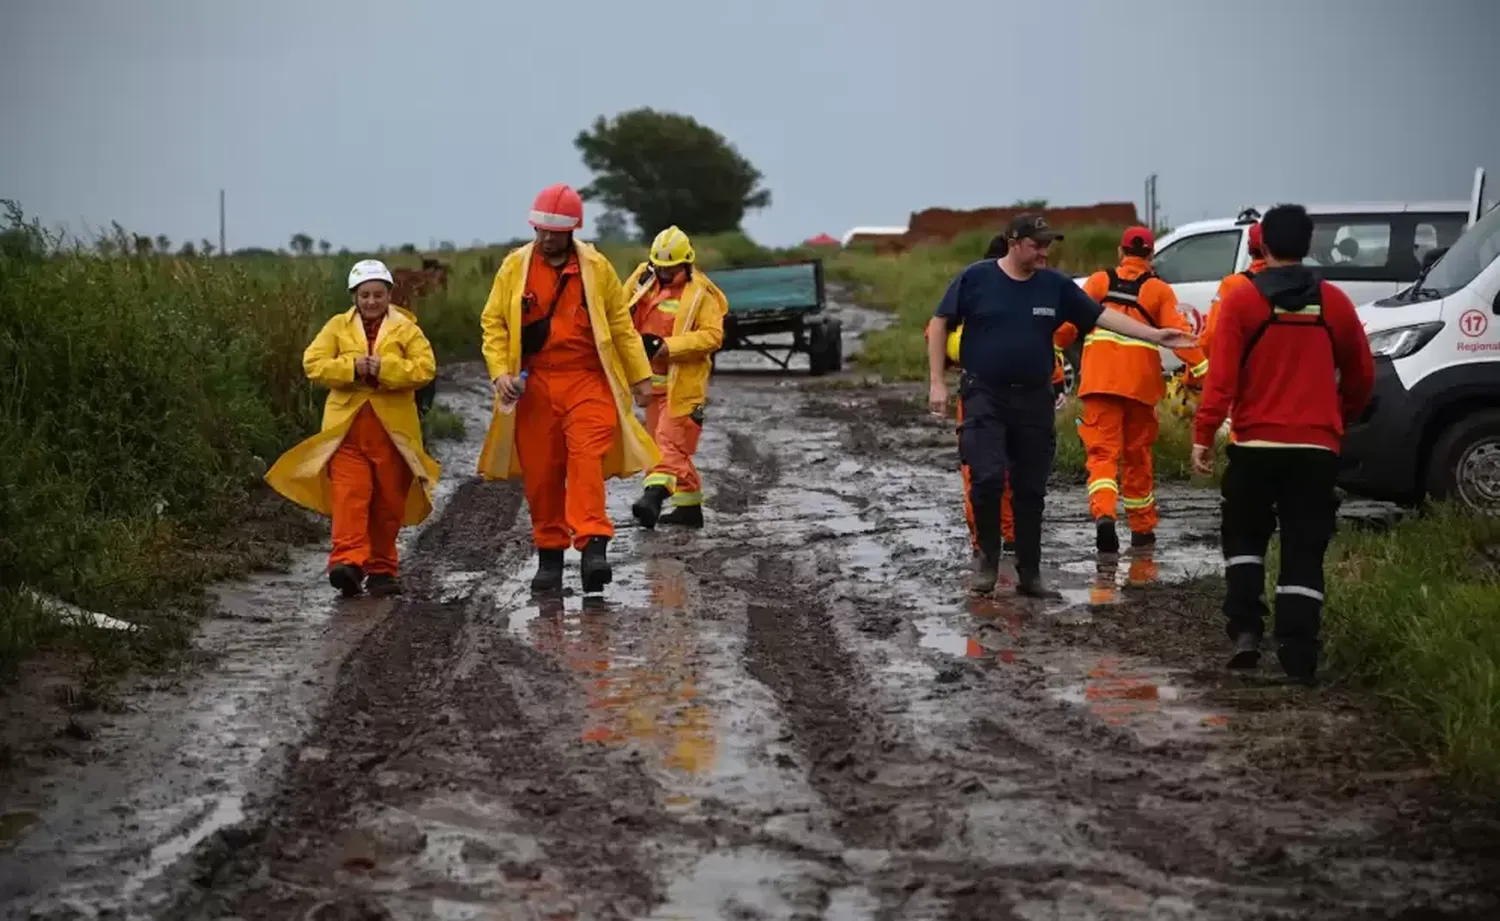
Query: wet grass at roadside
{"points": [[1414, 613]]}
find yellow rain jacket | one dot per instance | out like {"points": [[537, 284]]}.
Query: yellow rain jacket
{"points": [[620, 350], [406, 365], [697, 333]]}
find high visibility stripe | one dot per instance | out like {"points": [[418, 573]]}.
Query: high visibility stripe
{"points": [[549, 221], [1097, 485], [1104, 335], [660, 479], [1245, 561], [658, 378], [1277, 444], [687, 498], [1302, 590], [1311, 310], [668, 306], [1200, 369], [1146, 502]]}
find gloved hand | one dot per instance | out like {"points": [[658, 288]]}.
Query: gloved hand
{"points": [[652, 343]]}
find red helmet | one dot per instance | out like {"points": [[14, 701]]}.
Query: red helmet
{"points": [[557, 207], [1257, 246]]}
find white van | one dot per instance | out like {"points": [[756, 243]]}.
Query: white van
{"points": [[1432, 428], [1370, 251]]}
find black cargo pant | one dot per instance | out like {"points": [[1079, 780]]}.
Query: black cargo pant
{"points": [[1008, 431], [1263, 487]]}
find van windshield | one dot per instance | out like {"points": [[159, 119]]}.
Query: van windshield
{"points": [[1471, 254]]}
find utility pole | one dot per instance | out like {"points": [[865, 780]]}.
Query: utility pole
{"points": [[222, 250], [1151, 211]]}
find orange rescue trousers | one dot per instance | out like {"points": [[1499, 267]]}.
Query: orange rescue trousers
{"points": [[370, 484], [1118, 434], [1007, 517], [566, 423], [677, 438]]}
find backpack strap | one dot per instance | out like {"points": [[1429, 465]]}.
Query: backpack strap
{"points": [[1127, 294], [1280, 316]]}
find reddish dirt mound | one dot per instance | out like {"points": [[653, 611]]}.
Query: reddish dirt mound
{"points": [[939, 225], [411, 284]]}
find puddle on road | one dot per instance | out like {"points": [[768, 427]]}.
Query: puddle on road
{"points": [[180, 765]]}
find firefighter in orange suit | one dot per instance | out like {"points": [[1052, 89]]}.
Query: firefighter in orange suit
{"points": [[366, 468], [1120, 385], [1007, 516], [556, 311], [679, 313], [1230, 282]]}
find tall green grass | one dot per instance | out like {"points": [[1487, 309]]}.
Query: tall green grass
{"points": [[1414, 613]]}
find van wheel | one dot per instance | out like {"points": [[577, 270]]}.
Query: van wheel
{"points": [[1465, 463]]}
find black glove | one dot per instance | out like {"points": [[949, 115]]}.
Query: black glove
{"points": [[652, 344]]}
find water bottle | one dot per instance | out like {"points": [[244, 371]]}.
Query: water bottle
{"points": [[507, 405]]}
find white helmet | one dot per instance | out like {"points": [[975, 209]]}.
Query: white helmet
{"points": [[369, 270]]}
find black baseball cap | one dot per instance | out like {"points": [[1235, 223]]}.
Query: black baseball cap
{"points": [[1031, 225]]}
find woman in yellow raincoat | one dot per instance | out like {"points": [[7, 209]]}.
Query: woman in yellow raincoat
{"points": [[366, 468]]}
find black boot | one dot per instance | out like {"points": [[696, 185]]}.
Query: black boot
{"points": [[986, 573], [684, 516], [382, 585], [647, 509], [1299, 659], [549, 571], [347, 578], [1029, 583], [594, 570], [1246, 651], [1105, 538], [1142, 538]]}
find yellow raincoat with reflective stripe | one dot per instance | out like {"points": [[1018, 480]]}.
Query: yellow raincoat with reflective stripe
{"points": [[406, 365], [620, 351], [697, 333]]}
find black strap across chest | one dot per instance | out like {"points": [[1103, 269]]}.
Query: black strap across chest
{"points": [[1309, 316], [1127, 293]]}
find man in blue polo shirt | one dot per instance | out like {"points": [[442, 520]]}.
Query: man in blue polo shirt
{"points": [[1009, 308]]}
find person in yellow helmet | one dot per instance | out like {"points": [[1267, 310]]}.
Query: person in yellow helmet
{"points": [[679, 313]]}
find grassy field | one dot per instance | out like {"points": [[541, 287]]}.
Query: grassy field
{"points": [[1414, 614], [143, 398]]}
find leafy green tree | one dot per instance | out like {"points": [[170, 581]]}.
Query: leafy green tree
{"points": [[325, 247], [662, 168], [301, 244]]}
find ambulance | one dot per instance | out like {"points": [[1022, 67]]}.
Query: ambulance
{"points": [[1432, 428]]}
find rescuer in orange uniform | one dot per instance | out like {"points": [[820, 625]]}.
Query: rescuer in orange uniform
{"points": [[679, 313], [1230, 282], [1120, 385], [556, 312], [366, 468], [997, 249]]}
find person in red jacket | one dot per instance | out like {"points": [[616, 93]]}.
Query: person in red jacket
{"points": [[1291, 368]]}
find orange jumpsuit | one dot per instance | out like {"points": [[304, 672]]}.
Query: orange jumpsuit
{"points": [[675, 436], [566, 421], [1120, 385], [370, 480], [1205, 340]]}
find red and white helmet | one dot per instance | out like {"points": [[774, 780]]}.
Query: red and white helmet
{"points": [[558, 208]]}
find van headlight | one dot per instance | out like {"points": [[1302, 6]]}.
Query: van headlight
{"points": [[1403, 340]]}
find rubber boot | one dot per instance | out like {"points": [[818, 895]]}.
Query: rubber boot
{"points": [[647, 509], [1105, 538], [1246, 651], [549, 571], [1029, 583], [594, 569], [684, 516], [347, 578], [1142, 538], [1299, 660], [382, 585], [986, 573]]}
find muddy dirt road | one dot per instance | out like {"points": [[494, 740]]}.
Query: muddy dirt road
{"points": [[793, 714]]}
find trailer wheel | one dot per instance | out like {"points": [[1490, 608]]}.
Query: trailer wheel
{"points": [[1465, 463], [825, 347]]}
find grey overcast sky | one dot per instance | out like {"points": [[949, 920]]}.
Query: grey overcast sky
{"points": [[376, 121]]}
